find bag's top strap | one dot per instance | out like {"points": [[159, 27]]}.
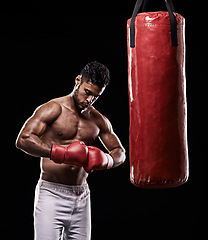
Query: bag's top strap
{"points": [[146, 2], [173, 21]]}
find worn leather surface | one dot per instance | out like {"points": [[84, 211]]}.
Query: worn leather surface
{"points": [[157, 101]]}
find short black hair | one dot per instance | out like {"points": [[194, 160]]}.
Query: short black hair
{"points": [[97, 73]]}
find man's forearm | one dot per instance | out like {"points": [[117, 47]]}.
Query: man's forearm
{"points": [[118, 155], [33, 145]]}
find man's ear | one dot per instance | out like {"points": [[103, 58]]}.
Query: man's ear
{"points": [[78, 80]]}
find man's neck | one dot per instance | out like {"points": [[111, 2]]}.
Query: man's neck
{"points": [[71, 103]]}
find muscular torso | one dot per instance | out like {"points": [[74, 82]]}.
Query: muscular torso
{"points": [[69, 127]]}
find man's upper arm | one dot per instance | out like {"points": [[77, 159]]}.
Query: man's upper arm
{"points": [[107, 136], [111, 142], [43, 115]]}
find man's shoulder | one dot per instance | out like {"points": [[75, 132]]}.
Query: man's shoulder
{"points": [[57, 101], [95, 114], [100, 120], [53, 104], [51, 107]]}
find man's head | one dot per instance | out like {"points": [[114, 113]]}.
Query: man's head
{"points": [[96, 73], [90, 84]]}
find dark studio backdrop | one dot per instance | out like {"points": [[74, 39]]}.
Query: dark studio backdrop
{"points": [[44, 45]]}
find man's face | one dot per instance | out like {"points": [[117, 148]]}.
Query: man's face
{"points": [[86, 93]]}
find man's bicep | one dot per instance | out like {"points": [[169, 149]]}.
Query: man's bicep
{"points": [[42, 116], [33, 126], [110, 140]]}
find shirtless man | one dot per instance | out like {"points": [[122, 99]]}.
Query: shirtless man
{"points": [[61, 132]]}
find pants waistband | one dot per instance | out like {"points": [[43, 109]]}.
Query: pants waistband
{"points": [[63, 187]]}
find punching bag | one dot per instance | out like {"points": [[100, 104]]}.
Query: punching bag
{"points": [[157, 98]]}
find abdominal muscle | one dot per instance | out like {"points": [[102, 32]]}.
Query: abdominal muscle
{"points": [[62, 173]]}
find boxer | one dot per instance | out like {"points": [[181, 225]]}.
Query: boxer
{"points": [[61, 133]]}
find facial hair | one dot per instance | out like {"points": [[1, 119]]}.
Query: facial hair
{"points": [[75, 96]]}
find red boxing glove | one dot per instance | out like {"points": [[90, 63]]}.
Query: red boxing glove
{"points": [[76, 153], [98, 160]]}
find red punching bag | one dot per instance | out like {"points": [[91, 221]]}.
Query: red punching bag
{"points": [[157, 98]]}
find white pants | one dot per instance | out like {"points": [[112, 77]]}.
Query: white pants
{"points": [[62, 211]]}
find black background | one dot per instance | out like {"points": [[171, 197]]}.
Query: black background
{"points": [[44, 45]]}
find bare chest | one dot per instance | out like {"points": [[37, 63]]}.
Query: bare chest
{"points": [[71, 127]]}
